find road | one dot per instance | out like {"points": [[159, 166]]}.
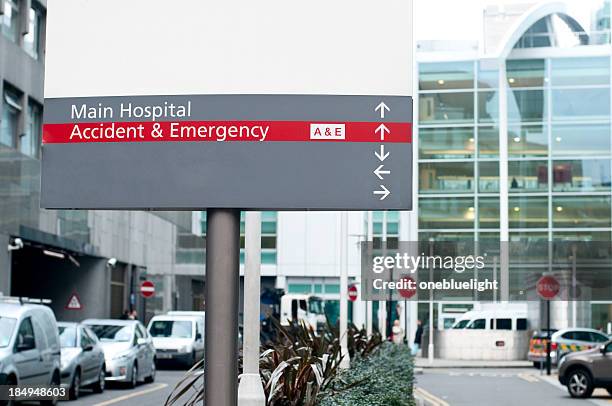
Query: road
{"points": [[144, 394], [502, 387]]}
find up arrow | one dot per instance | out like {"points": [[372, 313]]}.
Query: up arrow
{"points": [[382, 107], [382, 155], [379, 172], [384, 192], [382, 129]]}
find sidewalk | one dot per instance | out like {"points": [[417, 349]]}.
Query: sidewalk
{"points": [[451, 363]]}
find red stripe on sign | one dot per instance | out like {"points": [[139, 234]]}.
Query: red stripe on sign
{"points": [[191, 131]]}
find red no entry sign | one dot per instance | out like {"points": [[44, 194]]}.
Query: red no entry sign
{"points": [[352, 293], [410, 287], [547, 287], [147, 289]]}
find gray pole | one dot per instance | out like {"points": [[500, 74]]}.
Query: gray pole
{"points": [[222, 288], [250, 389]]}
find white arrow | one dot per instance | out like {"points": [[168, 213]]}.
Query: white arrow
{"points": [[382, 107], [379, 172], [384, 192], [382, 129], [382, 155]]}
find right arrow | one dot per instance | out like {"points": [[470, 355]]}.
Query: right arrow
{"points": [[382, 129], [382, 107], [383, 193], [382, 155]]}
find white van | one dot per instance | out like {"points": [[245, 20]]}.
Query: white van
{"points": [[178, 338], [29, 344], [502, 317], [308, 309]]}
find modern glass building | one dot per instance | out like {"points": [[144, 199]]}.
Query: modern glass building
{"points": [[514, 132]]}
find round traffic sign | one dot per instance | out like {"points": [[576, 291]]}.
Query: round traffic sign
{"points": [[410, 287], [147, 289], [547, 287], [352, 293]]}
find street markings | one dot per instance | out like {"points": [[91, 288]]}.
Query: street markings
{"points": [[528, 377], [433, 400], [132, 395]]}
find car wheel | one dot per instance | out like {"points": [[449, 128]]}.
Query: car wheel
{"points": [[134, 377], [75, 385], [100, 385], [151, 378], [55, 381], [579, 384], [11, 381]]}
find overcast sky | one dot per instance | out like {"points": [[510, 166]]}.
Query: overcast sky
{"points": [[462, 19]]}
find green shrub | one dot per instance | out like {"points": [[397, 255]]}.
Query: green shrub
{"points": [[384, 378]]}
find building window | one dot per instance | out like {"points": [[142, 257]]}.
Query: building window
{"points": [[10, 19], [446, 142], [528, 212], [31, 41], [581, 175], [446, 213], [446, 108], [11, 111], [580, 139], [527, 176], [445, 76], [29, 144], [446, 177], [581, 211]]}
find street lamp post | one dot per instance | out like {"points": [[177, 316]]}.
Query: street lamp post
{"points": [[345, 361], [250, 389]]}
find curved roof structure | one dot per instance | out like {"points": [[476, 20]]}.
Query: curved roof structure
{"points": [[504, 26]]}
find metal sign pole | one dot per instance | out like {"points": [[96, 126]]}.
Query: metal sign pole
{"points": [[250, 389], [222, 288], [548, 337]]}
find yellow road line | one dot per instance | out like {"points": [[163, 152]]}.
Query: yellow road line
{"points": [[528, 377], [428, 396], [132, 395]]}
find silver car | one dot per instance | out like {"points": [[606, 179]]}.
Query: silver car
{"points": [[82, 359], [128, 350], [29, 345]]}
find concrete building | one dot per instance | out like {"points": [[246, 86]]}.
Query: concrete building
{"points": [[98, 256]]}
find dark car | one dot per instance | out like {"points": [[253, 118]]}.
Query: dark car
{"points": [[584, 371]]}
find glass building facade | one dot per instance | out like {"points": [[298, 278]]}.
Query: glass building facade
{"points": [[558, 149], [527, 132]]}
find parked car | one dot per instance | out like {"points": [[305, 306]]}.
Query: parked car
{"points": [[584, 371], [537, 347], [575, 339], [29, 344], [82, 359], [178, 338], [128, 350]]}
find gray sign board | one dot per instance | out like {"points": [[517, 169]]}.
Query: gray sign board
{"points": [[278, 152]]}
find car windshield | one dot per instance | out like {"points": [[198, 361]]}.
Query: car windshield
{"points": [[112, 333], [461, 324], [67, 335], [7, 325], [171, 328], [315, 305]]}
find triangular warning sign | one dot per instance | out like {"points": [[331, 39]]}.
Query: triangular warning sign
{"points": [[74, 303]]}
